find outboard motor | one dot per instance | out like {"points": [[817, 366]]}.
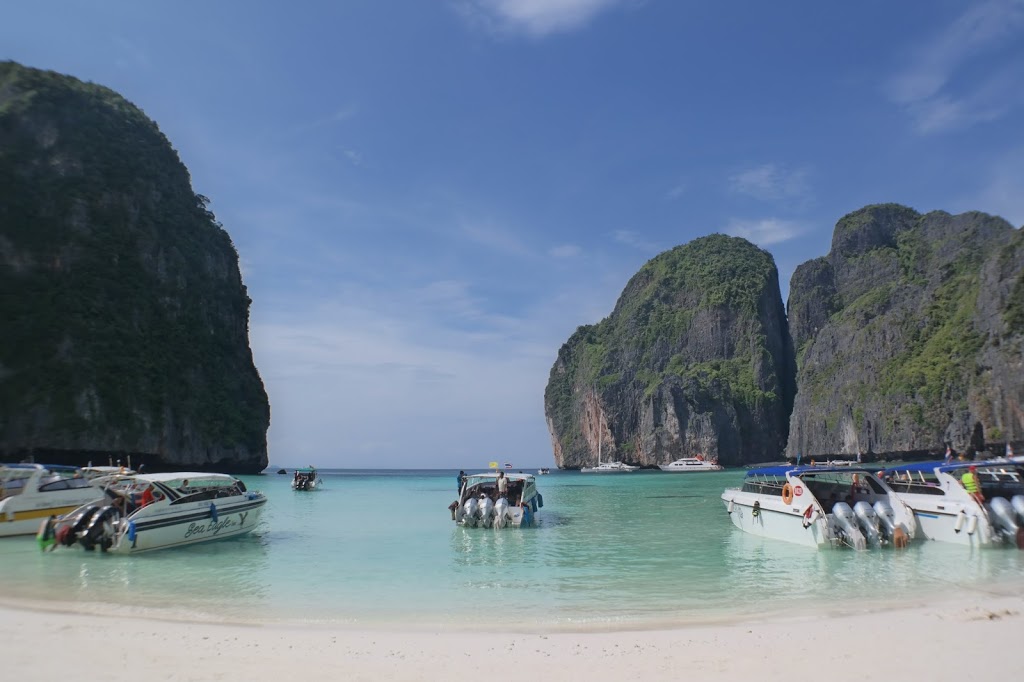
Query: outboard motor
{"points": [[1017, 502], [78, 525], [470, 509], [500, 512], [869, 522], [100, 530], [486, 510], [1004, 516], [886, 518], [846, 520]]}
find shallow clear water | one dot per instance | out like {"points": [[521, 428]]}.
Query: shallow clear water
{"points": [[380, 548]]}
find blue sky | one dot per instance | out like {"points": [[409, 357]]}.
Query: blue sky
{"points": [[429, 196]]}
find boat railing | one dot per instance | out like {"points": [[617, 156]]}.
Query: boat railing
{"points": [[916, 487]]}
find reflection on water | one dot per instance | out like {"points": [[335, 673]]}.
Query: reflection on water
{"points": [[381, 547]]}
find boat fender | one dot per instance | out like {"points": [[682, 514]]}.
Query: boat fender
{"points": [[131, 532], [527, 517], [972, 525], [809, 516], [540, 501], [787, 494], [756, 511], [729, 508], [213, 512], [960, 518]]}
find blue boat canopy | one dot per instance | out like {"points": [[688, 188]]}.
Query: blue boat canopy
{"points": [[798, 470], [914, 467], [929, 467]]}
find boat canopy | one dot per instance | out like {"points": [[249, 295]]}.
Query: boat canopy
{"points": [[930, 467], [52, 468], [799, 470], [176, 478], [491, 475], [914, 467]]}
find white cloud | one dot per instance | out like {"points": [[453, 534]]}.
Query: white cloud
{"points": [[771, 182], [353, 156], [427, 376], [634, 239], [677, 190], [1001, 192], [494, 237], [536, 18], [565, 251], [765, 231], [927, 88]]}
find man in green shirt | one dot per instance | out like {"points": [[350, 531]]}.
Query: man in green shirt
{"points": [[972, 485]]}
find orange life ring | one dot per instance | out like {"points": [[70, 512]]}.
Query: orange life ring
{"points": [[787, 494]]}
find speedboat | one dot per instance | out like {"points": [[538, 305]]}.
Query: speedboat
{"points": [[691, 465], [30, 492], [609, 468], [154, 511], [306, 479], [543, 471], [820, 507], [479, 505], [946, 512], [91, 471]]}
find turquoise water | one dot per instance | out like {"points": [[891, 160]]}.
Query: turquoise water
{"points": [[379, 548]]}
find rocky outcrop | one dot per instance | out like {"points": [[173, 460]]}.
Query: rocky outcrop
{"points": [[125, 317], [909, 336], [694, 359]]}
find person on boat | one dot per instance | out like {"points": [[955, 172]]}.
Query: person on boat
{"points": [[972, 485], [502, 485], [147, 496], [460, 481]]}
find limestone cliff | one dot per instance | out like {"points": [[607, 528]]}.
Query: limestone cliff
{"points": [[694, 359], [909, 336], [125, 318]]}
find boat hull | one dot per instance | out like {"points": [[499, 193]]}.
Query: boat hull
{"points": [[782, 523], [26, 521], [202, 523]]}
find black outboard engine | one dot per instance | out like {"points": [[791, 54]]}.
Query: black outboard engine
{"points": [[79, 525], [100, 530]]}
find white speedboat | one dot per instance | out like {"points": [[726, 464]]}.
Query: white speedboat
{"points": [[480, 506], [691, 465], [820, 507], [91, 471], [306, 479], [946, 512], [32, 492], [154, 511], [543, 471], [609, 468]]}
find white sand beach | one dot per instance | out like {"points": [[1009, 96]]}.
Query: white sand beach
{"points": [[971, 636]]}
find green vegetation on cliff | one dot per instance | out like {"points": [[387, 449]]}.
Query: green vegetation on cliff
{"points": [[126, 318], [693, 314], [916, 347]]}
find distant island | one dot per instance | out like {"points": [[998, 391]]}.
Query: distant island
{"points": [[125, 317], [905, 339]]}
